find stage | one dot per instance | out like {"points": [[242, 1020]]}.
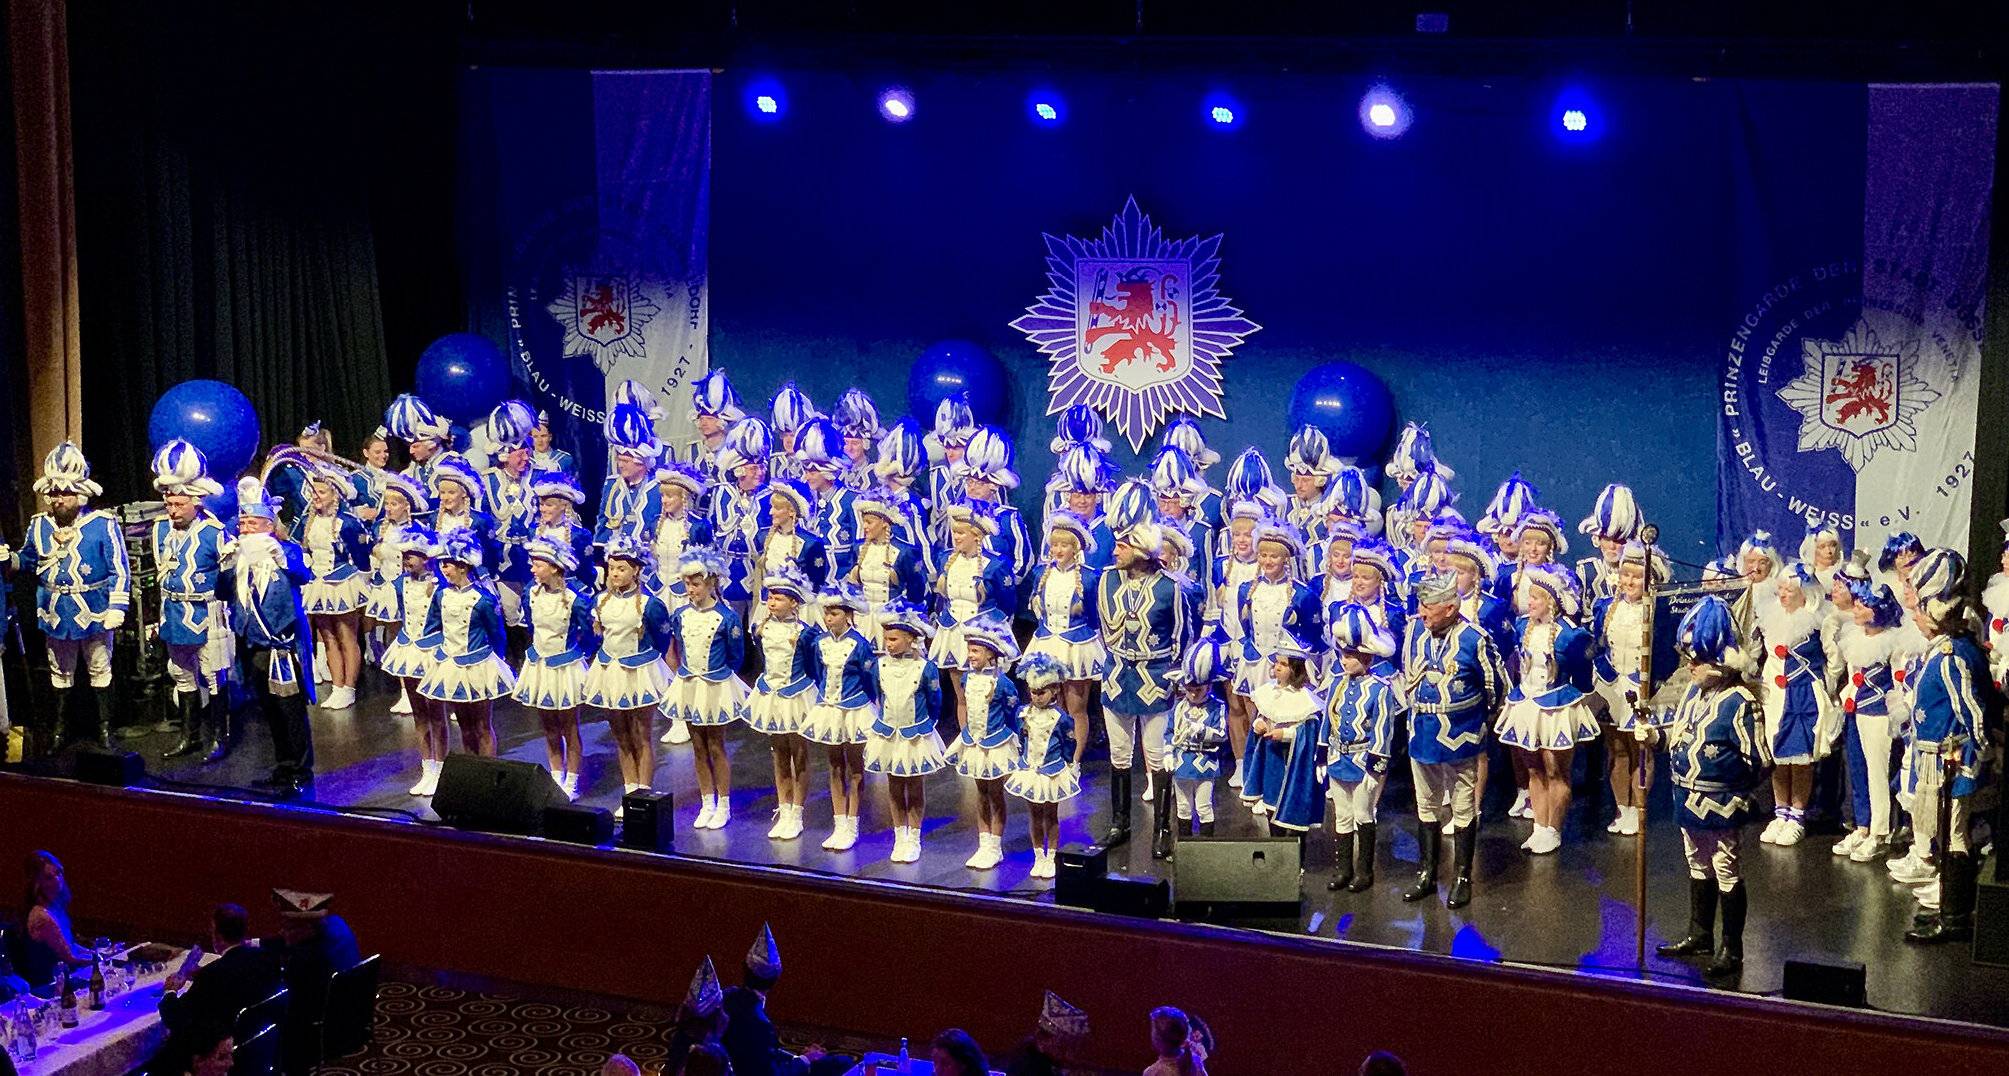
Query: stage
{"points": [[1570, 911]]}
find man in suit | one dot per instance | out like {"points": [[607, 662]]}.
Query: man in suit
{"points": [[241, 976], [312, 945]]}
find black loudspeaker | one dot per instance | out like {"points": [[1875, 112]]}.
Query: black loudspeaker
{"points": [[1078, 873], [648, 822], [495, 794], [97, 766], [1122, 894], [1991, 915], [1237, 877], [579, 824], [1828, 984]]}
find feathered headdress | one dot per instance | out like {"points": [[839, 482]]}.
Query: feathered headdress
{"points": [[409, 419], [1515, 498], [556, 484], [902, 455], [819, 446], [1353, 628], [253, 502], [1173, 475], [1430, 492], [1543, 521], [1378, 555], [993, 631], [1128, 506], [1078, 425], [856, 415], [790, 409], [1649, 557], [988, 458], [459, 545], [509, 425], [179, 468], [1310, 452], [65, 470], [1940, 575], [454, 467], [713, 395], [900, 613], [1561, 585], [551, 552], [1250, 478], [1207, 661], [1083, 469], [1184, 434], [955, 422], [1415, 454], [786, 578], [1707, 634], [796, 494], [1040, 669], [1615, 516], [631, 432], [701, 560], [1348, 494], [628, 546]]}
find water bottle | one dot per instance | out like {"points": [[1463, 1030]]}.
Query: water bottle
{"points": [[24, 1032]]}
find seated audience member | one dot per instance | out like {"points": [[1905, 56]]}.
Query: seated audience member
{"points": [[620, 1065], [707, 1059], [1055, 1042], [241, 976], [312, 945], [214, 1052], [750, 1041], [954, 1053], [1172, 1038], [1383, 1063], [701, 1019], [47, 939]]}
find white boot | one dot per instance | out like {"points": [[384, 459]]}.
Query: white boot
{"points": [[339, 698], [1546, 840], [680, 732], [913, 844], [836, 833], [780, 822], [570, 786], [404, 703], [1629, 825], [428, 777], [990, 852], [1236, 780], [320, 666], [846, 834], [704, 819], [791, 822], [1523, 806], [721, 810], [899, 853]]}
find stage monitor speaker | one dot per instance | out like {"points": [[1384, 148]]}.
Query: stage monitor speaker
{"points": [[1078, 871], [1991, 915], [98, 766], [648, 822], [1829, 984], [497, 795], [579, 823], [1237, 878], [1122, 894]]}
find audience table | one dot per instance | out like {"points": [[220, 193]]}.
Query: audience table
{"points": [[111, 1042]]}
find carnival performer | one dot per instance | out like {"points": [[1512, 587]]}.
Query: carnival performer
{"points": [[1081, 478], [545, 455], [425, 434], [630, 502], [787, 541], [903, 460], [1183, 433], [1199, 728], [987, 473], [1872, 712], [1275, 607], [819, 453], [1360, 714], [715, 409], [628, 678], [401, 503], [1455, 683], [1285, 740], [1049, 770], [990, 747], [1376, 568], [558, 500], [706, 692], [1613, 521], [973, 582], [884, 568], [1546, 716], [1824, 551], [1232, 570], [857, 419], [1716, 757], [367, 483], [1144, 630], [1800, 715], [782, 693], [1415, 455], [1079, 426], [337, 546], [513, 507], [902, 743], [679, 527], [953, 428], [275, 646], [558, 613], [1177, 488], [194, 625], [465, 670], [1758, 566], [740, 513], [410, 600], [461, 499], [1060, 600], [847, 703], [787, 412], [1513, 502], [288, 485], [1312, 466], [1619, 623]]}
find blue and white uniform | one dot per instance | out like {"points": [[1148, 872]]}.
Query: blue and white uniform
{"points": [[1716, 758], [83, 588], [847, 689], [1360, 728], [1868, 699], [1272, 612], [1800, 716], [464, 634], [1046, 771], [337, 548], [1546, 709], [194, 615], [1951, 696], [628, 508], [1618, 636], [628, 672], [1062, 604], [411, 600], [1197, 735], [968, 587], [1282, 775], [782, 695], [989, 747], [1455, 683], [902, 741], [711, 644], [672, 535], [1143, 627], [560, 620], [514, 511], [884, 572]]}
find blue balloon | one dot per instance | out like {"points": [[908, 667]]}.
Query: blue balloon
{"points": [[212, 416], [951, 366], [224, 504], [1349, 403], [463, 376]]}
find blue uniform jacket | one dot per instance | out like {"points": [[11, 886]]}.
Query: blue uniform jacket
{"points": [[927, 703], [910, 572], [1010, 544], [697, 532], [580, 541], [1360, 716], [1303, 619], [628, 509], [810, 556], [484, 626], [273, 620], [1570, 673], [79, 578], [515, 514], [412, 615], [738, 521], [792, 677], [581, 639], [1083, 624], [1716, 756], [1059, 747], [1870, 684], [1196, 734], [835, 520], [1455, 685], [656, 638], [1957, 707], [351, 546], [998, 724], [555, 460], [849, 682], [190, 562], [725, 648], [996, 593]]}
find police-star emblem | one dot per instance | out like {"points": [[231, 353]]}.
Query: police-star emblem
{"points": [[603, 315], [1134, 324], [1859, 394]]}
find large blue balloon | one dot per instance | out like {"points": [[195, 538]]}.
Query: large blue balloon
{"points": [[463, 376], [1350, 404], [951, 366], [212, 416]]}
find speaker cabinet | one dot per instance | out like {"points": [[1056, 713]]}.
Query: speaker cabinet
{"points": [[1078, 871], [98, 766], [1991, 914], [648, 822], [497, 795], [1123, 894], [1829, 984], [579, 824], [1237, 878]]}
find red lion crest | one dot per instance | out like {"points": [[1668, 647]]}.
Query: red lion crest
{"points": [[1140, 327]]}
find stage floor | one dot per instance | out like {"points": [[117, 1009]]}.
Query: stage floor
{"points": [[1571, 910]]}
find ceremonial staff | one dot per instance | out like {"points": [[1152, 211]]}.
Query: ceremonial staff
{"points": [[1642, 711]]}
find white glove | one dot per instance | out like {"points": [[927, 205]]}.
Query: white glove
{"points": [[114, 619], [6, 551]]}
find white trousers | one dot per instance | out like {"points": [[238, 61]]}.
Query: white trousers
{"points": [[1713, 851], [1186, 792], [1873, 735], [198, 669], [1354, 802], [95, 651], [1436, 780], [1123, 742], [1925, 807]]}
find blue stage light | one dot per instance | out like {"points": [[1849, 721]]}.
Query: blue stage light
{"points": [[1383, 113], [1222, 115], [1574, 121], [1045, 107], [897, 105], [1575, 117], [767, 104], [1046, 111]]}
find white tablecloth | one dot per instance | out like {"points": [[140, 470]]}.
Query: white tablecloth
{"points": [[108, 1043]]}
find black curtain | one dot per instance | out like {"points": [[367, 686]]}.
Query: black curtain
{"points": [[14, 450], [235, 163]]}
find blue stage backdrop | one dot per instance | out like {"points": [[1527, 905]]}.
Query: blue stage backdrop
{"points": [[585, 206], [1571, 305]]}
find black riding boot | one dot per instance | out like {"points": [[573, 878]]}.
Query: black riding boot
{"points": [[1363, 859], [1464, 843], [1955, 919], [1429, 844], [1342, 862], [104, 695], [1701, 937], [54, 729], [1730, 953], [216, 725], [1161, 817], [186, 716], [1119, 810]]}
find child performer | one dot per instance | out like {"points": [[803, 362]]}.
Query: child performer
{"points": [[1060, 599], [902, 743], [1199, 728], [787, 542], [514, 507], [679, 526], [1869, 705], [1613, 521], [1716, 756], [781, 695], [847, 703], [972, 584], [1274, 609], [465, 672], [1232, 570], [707, 693], [404, 660], [558, 612], [1618, 653], [1360, 712], [1546, 716], [558, 500], [1049, 773], [989, 748], [337, 548], [402, 502], [461, 495], [1290, 722], [884, 568], [1799, 713], [628, 678]]}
